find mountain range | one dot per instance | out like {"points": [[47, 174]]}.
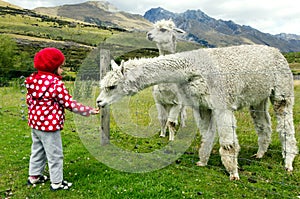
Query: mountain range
{"points": [[200, 27], [217, 33]]}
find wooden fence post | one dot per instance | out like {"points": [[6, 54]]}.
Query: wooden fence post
{"points": [[104, 112]]}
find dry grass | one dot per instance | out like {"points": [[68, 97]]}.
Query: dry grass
{"points": [[296, 82]]}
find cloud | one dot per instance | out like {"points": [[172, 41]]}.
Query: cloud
{"points": [[270, 16], [31, 4], [141, 6]]}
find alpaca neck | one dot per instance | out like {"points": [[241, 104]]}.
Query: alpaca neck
{"points": [[152, 71], [166, 48]]}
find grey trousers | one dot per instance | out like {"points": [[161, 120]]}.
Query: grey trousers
{"points": [[46, 146]]}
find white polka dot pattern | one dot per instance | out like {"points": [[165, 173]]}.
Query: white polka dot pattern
{"points": [[47, 99]]}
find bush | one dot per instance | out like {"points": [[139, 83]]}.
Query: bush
{"points": [[13, 64], [68, 78], [7, 53], [4, 82]]}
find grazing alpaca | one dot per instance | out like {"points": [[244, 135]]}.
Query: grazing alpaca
{"points": [[217, 82], [168, 101]]}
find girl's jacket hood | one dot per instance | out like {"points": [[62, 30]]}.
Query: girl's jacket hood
{"points": [[39, 82]]}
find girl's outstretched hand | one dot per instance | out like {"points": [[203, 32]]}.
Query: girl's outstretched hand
{"points": [[95, 111]]}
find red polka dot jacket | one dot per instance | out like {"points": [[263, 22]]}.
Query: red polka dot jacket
{"points": [[47, 98]]}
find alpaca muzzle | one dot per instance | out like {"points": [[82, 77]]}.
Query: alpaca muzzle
{"points": [[100, 103], [150, 37]]}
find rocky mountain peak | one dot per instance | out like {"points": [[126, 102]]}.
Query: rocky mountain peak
{"points": [[156, 14], [105, 5]]}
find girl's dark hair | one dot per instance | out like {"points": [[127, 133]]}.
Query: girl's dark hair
{"points": [[55, 71]]}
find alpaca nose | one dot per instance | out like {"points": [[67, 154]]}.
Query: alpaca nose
{"points": [[101, 103], [98, 102], [149, 35]]}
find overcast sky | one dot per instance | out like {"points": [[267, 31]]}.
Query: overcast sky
{"points": [[268, 16]]}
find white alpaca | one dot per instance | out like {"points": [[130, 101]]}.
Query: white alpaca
{"points": [[168, 101], [165, 35], [217, 82]]}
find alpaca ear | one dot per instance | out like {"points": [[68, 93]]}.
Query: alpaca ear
{"points": [[122, 66], [114, 65], [180, 31]]}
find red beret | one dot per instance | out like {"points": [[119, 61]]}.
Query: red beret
{"points": [[48, 59]]}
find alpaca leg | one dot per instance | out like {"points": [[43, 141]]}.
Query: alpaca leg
{"points": [[284, 111], [207, 129], [162, 117], [229, 146], [172, 130], [183, 116], [173, 120], [262, 123]]}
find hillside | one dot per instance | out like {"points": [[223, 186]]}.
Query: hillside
{"points": [[77, 39], [217, 33], [99, 12], [33, 31]]}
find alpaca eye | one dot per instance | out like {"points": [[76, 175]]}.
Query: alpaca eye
{"points": [[163, 30], [112, 87]]}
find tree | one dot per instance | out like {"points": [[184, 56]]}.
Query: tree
{"points": [[13, 63], [7, 53]]}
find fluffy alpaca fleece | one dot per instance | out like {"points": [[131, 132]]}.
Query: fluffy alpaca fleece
{"points": [[216, 82], [165, 35], [167, 98]]}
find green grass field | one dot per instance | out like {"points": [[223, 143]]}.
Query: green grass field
{"points": [[92, 178], [263, 178]]}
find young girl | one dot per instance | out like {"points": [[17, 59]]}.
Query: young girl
{"points": [[47, 99]]}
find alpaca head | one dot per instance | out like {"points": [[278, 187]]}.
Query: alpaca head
{"points": [[164, 34], [110, 91]]}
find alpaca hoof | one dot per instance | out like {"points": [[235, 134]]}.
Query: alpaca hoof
{"points": [[258, 155], [234, 177], [201, 164], [162, 136], [171, 139], [289, 169]]}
